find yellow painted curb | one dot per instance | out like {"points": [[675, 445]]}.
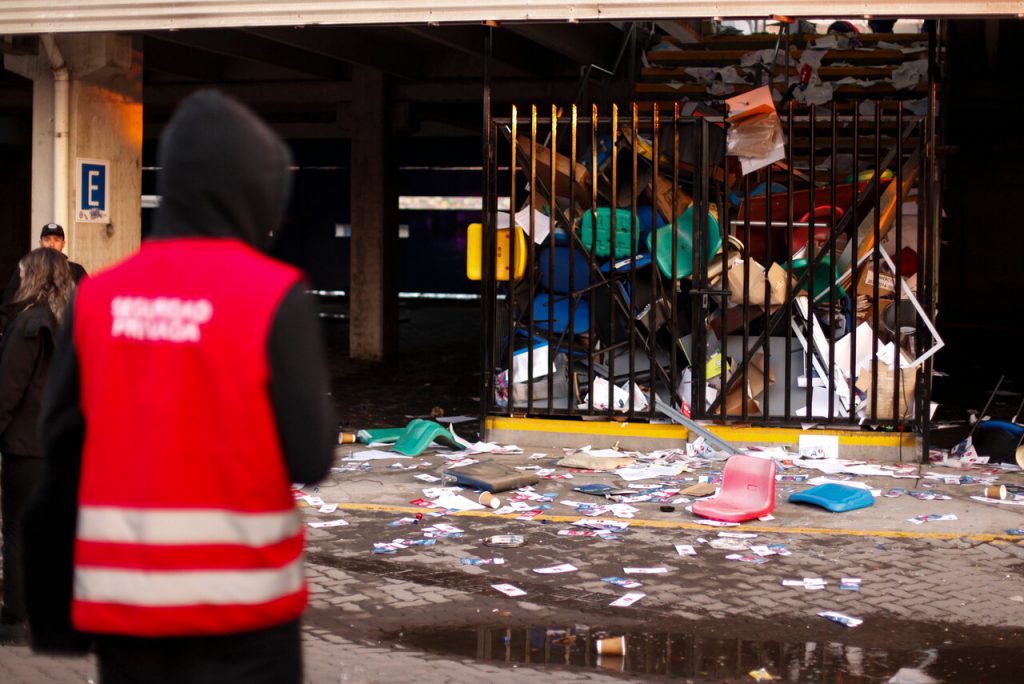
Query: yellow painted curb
{"points": [[739, 434], [682, 525], [587, 427], [792, 435]]}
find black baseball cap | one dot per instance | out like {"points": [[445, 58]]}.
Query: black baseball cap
{"points": [[51, 229]]}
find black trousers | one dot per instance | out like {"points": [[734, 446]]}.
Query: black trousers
{"points": [[19, 476], [267, 656]]}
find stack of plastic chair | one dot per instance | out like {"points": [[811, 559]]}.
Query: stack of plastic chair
{"points": [[747, 491], [551, 306], [684, 229]]}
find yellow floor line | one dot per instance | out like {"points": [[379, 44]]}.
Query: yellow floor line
{"points": [[682, 525]]}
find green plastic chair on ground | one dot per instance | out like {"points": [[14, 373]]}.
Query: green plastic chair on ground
{"points": [[419, 434], [412, 440]]}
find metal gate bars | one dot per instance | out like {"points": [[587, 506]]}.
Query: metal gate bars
{"points": [[638, 268]]}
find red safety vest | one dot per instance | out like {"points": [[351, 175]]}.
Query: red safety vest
{"points": [[186, 523]]}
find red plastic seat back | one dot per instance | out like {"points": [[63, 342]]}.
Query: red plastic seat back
{"points": [[747, 492], [822, 228]]}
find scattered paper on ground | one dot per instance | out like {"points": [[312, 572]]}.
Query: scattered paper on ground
{"points": [[649, 472], [645, 571], [457, 502], [374, 455], [556, 569], [845, 620], [627, 600], [328, 523]]}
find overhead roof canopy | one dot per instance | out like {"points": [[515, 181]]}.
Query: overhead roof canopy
{"points": [[293, 60], [46, 16]]}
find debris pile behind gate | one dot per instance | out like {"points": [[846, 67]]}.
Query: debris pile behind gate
{"points": [[739, 261]]}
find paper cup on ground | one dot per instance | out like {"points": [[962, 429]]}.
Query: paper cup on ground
{"points": [[611, 646], [488, 499], [612, 663], [995, 491]]}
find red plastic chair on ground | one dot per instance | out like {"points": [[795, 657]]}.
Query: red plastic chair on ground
{"points": [[747, 491]]}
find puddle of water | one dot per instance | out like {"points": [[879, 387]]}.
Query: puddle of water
{"points": [[721, 659]]}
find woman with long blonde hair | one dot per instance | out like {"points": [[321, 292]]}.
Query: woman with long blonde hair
{"points": [[25, 354]]}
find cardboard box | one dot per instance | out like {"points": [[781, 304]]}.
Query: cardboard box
{"points": [[866, 293], [578, 177], [663, 198], [776, 276], [886, 385], [734, 403]]}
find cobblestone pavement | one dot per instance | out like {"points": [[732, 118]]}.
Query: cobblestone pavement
{"points": [[422, 616], [934, 580]]}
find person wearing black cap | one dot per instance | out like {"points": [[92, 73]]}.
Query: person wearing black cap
{"points": [[52, 236]]}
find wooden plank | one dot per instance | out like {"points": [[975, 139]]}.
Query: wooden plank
{"points": [[842, 90], [695, 56], [825, 73], [866, 228], [699, 56], [760, 41]]}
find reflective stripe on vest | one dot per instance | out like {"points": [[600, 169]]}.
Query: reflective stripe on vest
{"points": [[188, 587], [146, 526]]}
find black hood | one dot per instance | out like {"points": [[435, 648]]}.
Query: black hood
{"points": [[223, 172]]}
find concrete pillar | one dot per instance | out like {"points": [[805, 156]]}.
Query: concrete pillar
{"points": [[373, 313], [105, 124]]}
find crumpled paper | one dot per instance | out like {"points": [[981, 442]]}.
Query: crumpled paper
{"points": [[909, 74], [620, 397]]}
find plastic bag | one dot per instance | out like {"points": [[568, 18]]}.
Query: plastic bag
{"points": [[754, 136]]}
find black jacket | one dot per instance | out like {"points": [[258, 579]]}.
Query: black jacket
{"points": [[25, 356], [223, 174]]}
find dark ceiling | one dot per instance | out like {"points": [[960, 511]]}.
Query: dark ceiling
{"points": [[300, 78]]}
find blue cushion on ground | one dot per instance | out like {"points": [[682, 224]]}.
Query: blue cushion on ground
{"points": [[834, 497]]}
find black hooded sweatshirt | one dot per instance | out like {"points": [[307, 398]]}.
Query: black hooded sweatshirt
{"points": [[223, 174]]}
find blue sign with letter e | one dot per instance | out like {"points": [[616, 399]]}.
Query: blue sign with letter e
{"points": [[92, 204]]}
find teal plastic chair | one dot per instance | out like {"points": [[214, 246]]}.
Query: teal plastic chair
{"points": [[419, 434], [379, 435], [684, 226], [599, 240], [824, 276]]}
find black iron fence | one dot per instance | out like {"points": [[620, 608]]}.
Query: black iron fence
{"points": [[639, 271]]}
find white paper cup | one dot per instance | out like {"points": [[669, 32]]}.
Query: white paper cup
{"points": [[488, 499], [611, 646]]}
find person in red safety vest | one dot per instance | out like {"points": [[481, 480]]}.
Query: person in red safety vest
{"points": [[188, 392]]}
